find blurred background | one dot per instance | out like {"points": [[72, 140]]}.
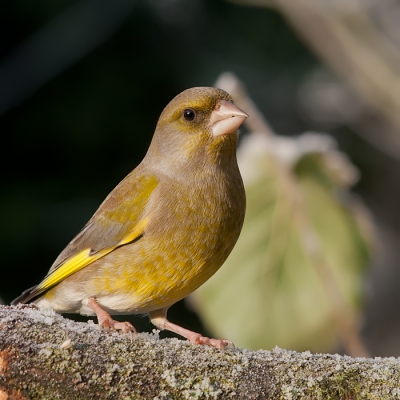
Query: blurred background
{"points": [[82, 84]]}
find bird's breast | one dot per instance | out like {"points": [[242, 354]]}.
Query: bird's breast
{"points": [[186, 240]]}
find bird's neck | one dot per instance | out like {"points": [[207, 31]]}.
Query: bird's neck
{"points": [[181, 160]]}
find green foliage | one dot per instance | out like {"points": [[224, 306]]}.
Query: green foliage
{"points": [[294, 277]]}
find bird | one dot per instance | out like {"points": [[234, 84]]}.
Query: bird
{"points": [[165, 229]]}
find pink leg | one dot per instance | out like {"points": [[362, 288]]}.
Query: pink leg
{"points": [[159, 319], [106, 321]]}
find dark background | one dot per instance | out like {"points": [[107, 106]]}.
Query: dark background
{"points": [[82, 84]]}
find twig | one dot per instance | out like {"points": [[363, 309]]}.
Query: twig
{"points": [[36, 362]]}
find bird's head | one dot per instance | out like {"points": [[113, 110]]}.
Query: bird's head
{"points": [[198, 124]]}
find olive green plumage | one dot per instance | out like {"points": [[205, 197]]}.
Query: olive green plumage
{"points": [[167, 227]]}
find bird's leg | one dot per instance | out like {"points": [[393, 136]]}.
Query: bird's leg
{"points": [[159, 319], [106, 321]]}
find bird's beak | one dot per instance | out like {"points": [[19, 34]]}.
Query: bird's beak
{"points": [[226, 118]]}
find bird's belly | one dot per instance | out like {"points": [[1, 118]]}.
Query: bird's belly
{"points": [[151, 273], [131, 285], [137, 278]]}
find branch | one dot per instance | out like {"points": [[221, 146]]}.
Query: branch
{"points": [[43, 355], [346, 38]]}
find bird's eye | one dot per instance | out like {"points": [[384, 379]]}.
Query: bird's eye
{"points": [[189, 114]]}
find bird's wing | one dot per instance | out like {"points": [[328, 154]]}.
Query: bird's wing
{"points": [[118, 221]]}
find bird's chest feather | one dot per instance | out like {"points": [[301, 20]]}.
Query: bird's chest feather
{"points": [[185, 242], [200, 225], [201, 215]]}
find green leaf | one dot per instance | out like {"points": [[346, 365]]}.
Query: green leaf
{"points": [[294, 277]]}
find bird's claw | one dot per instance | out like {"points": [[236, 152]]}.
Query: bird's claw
{"points": [[218, 343], [105, 320], [125, 327]]}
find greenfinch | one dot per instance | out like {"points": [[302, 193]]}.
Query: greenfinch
{"points": [[165, 229]]}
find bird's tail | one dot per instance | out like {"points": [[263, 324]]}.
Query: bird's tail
{"points": [[24, 297]]}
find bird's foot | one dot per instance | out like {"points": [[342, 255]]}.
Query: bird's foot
{"points": [[105, 320], [159, 319], [108, 322], [203, 340]]}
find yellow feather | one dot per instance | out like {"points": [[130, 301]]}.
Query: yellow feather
{"points": [[82, 259]]}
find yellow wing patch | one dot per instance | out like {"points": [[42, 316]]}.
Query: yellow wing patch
{"points": [[83, 259]]}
